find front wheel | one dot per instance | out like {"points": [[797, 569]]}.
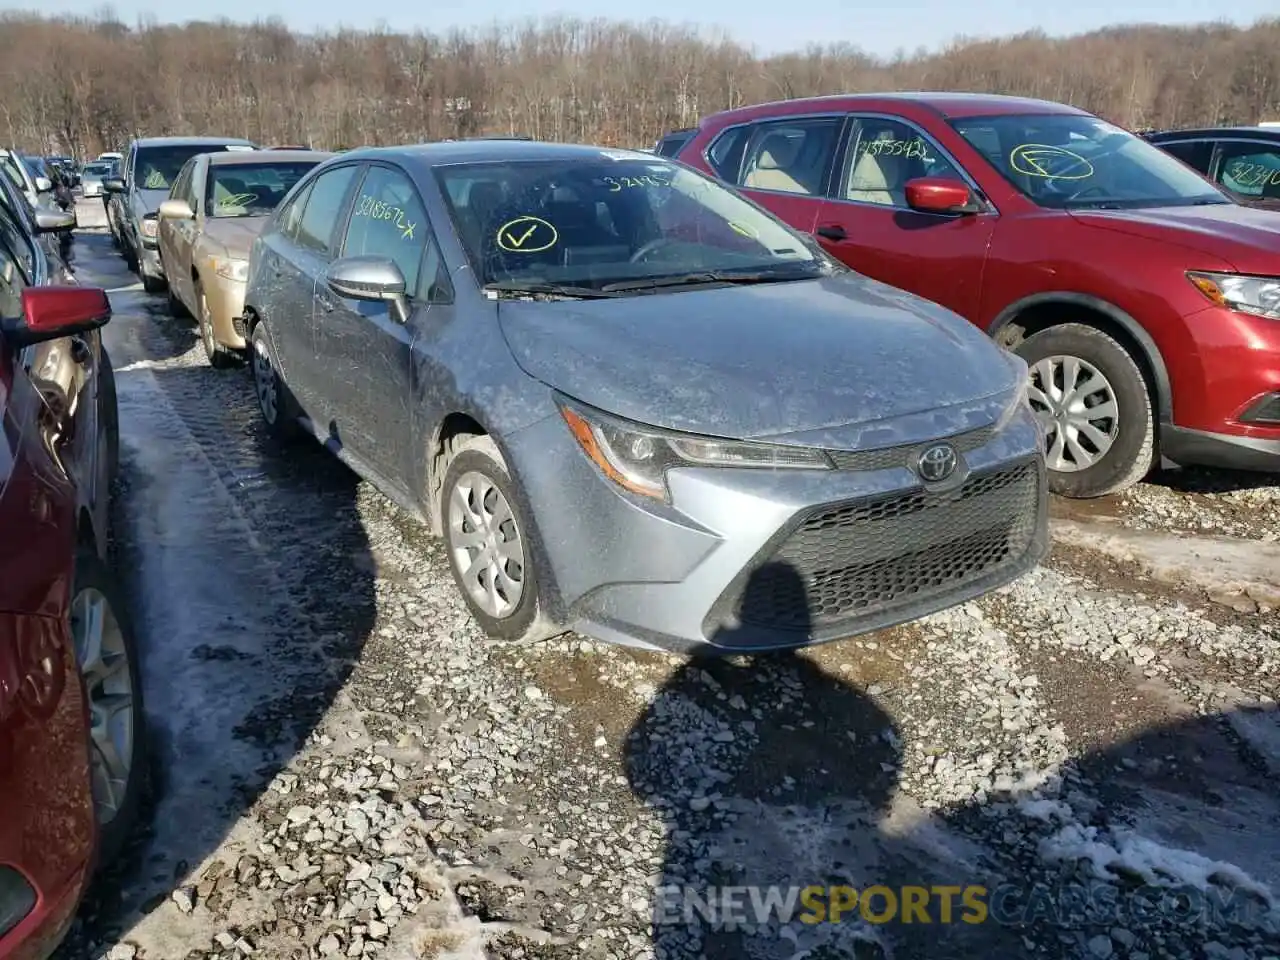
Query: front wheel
{"points": [[107, 655], [489, 546], [1094, 405], [219, 355], [279, 410]]}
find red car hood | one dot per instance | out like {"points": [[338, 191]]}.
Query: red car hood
{"points": [[1247, 237]]}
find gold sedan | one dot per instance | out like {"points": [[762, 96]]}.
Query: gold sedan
{"points": [[218, 204]]}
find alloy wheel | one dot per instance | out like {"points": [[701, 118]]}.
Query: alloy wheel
{"points": [[486, 544], [1076, 405], [104, 667]]}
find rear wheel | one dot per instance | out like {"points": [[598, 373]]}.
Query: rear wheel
{"points": [[1093, 402], [152, 284], [176, 308], [280, 411], [107, 654]]}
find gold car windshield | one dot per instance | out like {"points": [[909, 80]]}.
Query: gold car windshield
{"points": [[251, 189]]}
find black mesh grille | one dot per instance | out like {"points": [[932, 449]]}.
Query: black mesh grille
{"points": [[900, 456], [237, 324], [1266, 410], [872, 556]]}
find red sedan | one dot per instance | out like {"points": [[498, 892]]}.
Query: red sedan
{"points": [[71, 743]]}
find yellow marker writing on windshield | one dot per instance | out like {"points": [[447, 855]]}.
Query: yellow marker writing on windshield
{"points": [[527, 235], [1049, 162]]}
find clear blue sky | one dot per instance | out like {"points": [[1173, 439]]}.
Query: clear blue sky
{"points": [[768, 26]]}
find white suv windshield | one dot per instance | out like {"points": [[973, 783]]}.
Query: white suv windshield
{"points": [[1070, 161], [592, 222]]}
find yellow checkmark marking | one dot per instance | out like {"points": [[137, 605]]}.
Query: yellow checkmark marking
{"points": [[516, 236], [527, 234]]}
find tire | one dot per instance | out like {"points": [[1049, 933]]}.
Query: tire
{"points": [[219, 355], [1131, 452], [130, 256], [477, 467], [281, 415], [95, 587], [153, 284]]}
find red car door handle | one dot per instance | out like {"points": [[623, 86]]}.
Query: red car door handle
{"points": [[832, 231]]}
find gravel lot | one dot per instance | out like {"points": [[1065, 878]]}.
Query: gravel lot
{"points": [[344, 768]]}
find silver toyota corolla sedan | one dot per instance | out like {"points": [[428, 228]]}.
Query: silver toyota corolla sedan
{"points": [[636, 405]]}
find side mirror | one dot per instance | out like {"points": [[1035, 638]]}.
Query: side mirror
{"points": [[52, 221], [43, 184], [176, 210], [50, 313], [940, 195], [370, 278], [113, 185]]}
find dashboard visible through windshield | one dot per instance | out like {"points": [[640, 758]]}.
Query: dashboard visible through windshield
{"points": [[617, 220], [1070, 161]]}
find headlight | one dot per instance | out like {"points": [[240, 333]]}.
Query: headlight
{"points": [[1016, 402], [1259, 296], [231, 269], [637, 457], [150, 227]]}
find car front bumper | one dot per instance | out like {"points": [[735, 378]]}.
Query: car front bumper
{"points": [[753, 560], [226, 303]]}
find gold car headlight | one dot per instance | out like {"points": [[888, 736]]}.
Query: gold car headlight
{"points": [[231, 268]]}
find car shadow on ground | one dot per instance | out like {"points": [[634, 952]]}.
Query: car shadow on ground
{"points": [[251, 583], [1211, 480], [808, 796]]}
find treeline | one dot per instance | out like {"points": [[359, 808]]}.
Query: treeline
{"points": [[85, 85]]}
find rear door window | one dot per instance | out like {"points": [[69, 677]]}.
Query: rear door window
{"points": [[325, 206], [1250, 169], [791, 156], [1197, 154]]}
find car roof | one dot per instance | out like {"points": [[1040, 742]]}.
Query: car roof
{"points": [[947, 105], [187, 141], [481, 151], [227, 158], [1197, 133]]}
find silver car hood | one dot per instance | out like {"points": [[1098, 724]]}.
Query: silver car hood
{"points": [[842, 361]]}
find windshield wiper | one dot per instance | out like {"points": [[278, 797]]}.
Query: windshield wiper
{"points": [[706, 276], [551, 290]]}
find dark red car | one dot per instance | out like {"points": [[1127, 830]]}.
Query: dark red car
{"points": [[1145, 300], [71, 741]]}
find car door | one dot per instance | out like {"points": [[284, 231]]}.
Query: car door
{"points": [[1249, 169], [177, 237], [783, 164], [867, 223], [367, 349], [299, 252]]}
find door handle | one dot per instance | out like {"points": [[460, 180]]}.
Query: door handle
{"points": [[832, 231]]}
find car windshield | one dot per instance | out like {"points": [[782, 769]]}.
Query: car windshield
{"points": [[158, 167], [251, 189], [1069, 161], [96, 169], [37, 166], [615, 218]]}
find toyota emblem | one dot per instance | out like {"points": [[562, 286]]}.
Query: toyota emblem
{"points": [[937, 462]]}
